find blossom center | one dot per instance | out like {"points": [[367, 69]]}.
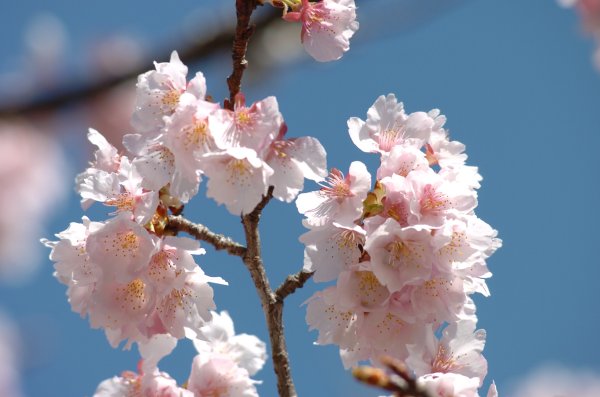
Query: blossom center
{"points": [[243, 118], [389, 137], [402, 253], [123, 202], [432, 200], [196, 135], [128, 241], [444, 362], [338, 187], [170, 100]]}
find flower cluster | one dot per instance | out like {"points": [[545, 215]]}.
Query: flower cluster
{"points": [[406, 255], [590, 15], [128, 274], [327, 25], [222, 368]]}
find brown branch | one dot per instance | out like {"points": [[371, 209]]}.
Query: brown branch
{"points": [[201, 232], [272, 306], [243, 31], [292, 283], [402, 385]]}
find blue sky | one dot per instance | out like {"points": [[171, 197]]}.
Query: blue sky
{"points": [[515, 80]]}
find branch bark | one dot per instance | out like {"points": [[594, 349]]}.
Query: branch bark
{"points": [[201, 232], [272, 304], [243, 32], [292, 283], [403, 385]]}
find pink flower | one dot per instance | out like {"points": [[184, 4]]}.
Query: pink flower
{"points": [[387, 125], [122, 190], [400, 161], [121, 248], [449, 385], [159, 93], [185, 307], [218, 337], [219, 375], [238, 178], [150, 382], [400, 256], [327, 27], [153, 161], [342, 200], [130, 283], [361, 290], [253, 127], [188, 136], [293, 160], [331, 249], [458, 351], [336, 324]]}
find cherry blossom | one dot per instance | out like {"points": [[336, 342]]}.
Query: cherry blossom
{"points": [[237, 178], [188, 136], [220, 376], [160, 92], [406, 254], [218, 337], [449, 384], [340, 197], [253, 127], [331, 249], [388, 125], [293, 160], [400, 256], [327, 27], [120, 247], [150, 381], [131, 283], [458, 351]]}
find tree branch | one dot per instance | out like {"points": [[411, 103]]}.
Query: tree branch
{"points": [[292, 283], [243, 31], [272, 306], [402, 385], [201, 232]]}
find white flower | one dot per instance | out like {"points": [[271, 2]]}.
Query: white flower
{"points": [[327, 27], [218, 337]]}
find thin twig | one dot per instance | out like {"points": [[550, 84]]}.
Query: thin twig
{"points": [[201, 232], [402, 385], [272, 307], [243, 31], [292, 283]]}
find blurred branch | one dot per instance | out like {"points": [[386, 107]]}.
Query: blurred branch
{"points": [[414, 13], [401, 382], [220, 40]]}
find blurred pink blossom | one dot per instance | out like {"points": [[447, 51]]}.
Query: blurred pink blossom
{"points": [[34, 179], [555, 380]]}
